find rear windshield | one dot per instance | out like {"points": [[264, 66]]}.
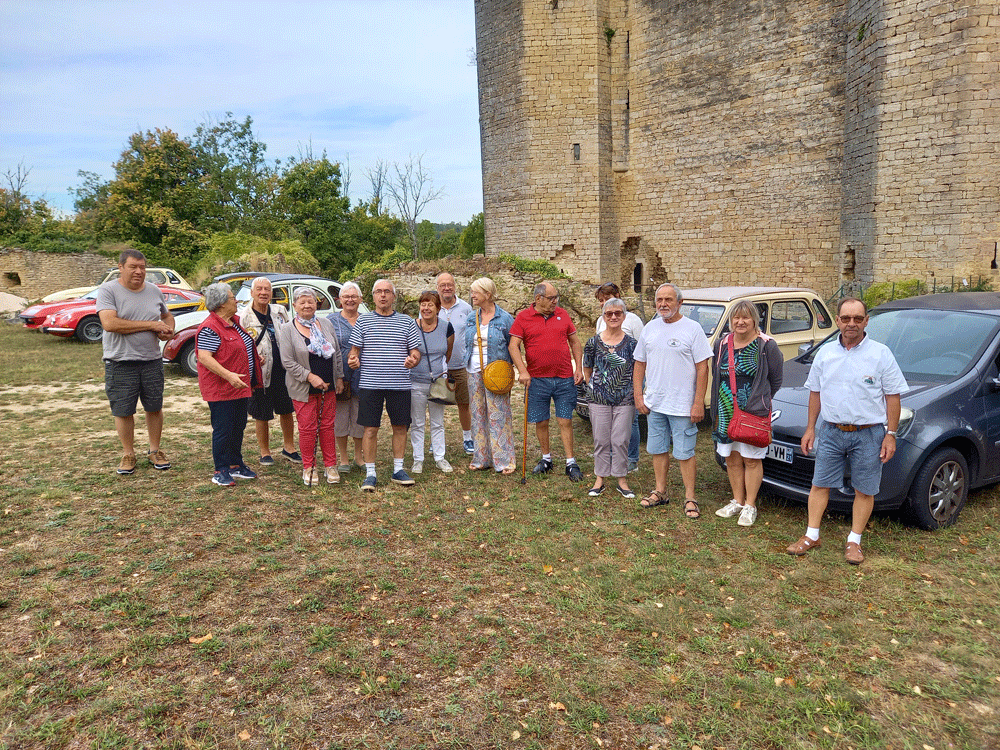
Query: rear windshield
{"points": [[929, 345], [707, 316]]}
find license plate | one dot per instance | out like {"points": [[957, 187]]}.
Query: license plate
{"points": [[783, 453]]}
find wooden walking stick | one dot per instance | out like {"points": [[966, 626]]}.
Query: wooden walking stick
{"points": [[524, 457]]}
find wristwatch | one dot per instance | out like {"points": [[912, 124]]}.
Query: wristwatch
{"points": [[891, 432]]}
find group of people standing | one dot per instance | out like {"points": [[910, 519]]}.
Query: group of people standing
{"points": [[338, 373]]}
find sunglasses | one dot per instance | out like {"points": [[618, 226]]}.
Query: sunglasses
{"points": [[855, 318]]}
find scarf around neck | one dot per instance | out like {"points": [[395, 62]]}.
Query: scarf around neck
{"points": [[318, 344]]}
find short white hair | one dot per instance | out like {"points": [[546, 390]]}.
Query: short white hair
{"points": [[379, 281], [349, 286], [253, 284]]}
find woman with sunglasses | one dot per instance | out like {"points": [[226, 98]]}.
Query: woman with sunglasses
{"points": [[607, 370]]}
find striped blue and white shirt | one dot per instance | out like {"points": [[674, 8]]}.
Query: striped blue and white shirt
{"points": [[385, 342]]}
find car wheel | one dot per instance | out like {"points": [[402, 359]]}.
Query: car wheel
{"points": [[189, 360], [89, 330], [939, 490]]}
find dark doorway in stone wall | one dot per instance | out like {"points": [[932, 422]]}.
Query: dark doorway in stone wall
{"points": [[11, 279], [637, 278]]}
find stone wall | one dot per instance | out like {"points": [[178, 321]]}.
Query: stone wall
{"points": [[733, 142], [33, 275]]}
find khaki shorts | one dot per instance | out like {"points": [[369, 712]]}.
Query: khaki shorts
{"points": [[461, 378]]}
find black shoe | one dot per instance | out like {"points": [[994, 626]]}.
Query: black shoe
{"points": [[542, 467], [574, 473]]}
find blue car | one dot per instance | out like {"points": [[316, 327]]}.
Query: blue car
{"points": [[948, 347]]}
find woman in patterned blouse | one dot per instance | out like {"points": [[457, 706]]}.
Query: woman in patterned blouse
{"points": [[758, 377], [607, 369]]}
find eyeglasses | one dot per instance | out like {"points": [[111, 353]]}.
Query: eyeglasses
{"points": [[553, 298], [855, 318], [614, 314]]}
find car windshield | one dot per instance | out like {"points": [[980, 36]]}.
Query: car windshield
{"points": [[929, 345], [707, 316]]}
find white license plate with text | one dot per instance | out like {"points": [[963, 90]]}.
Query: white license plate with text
{"points": [[779, 452]]}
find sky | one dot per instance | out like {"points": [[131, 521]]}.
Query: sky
{"points": [[362, 81]]}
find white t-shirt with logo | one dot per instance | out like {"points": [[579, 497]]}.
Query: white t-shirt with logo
{"points": [[670, 351]]}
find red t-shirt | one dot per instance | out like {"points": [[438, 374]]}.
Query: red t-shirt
{"points": [[546, 342]]}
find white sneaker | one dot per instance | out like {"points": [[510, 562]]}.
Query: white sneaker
{"points": [[728, 511], [417, 468], [310, 477], [442, 463], [332, 475], [748, 515]]}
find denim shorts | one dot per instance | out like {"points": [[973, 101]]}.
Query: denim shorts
{"points": [[838, 451], [542, 390], [665, 429]]}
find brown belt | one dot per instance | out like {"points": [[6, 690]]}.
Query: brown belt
{"points": [[853, 427]]}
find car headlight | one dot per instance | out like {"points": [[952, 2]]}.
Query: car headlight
{"points": [[906, 416]]}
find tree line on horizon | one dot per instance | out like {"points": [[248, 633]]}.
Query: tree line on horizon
{"points": [[196, 203]]}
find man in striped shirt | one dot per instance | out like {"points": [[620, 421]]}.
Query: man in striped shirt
{"points": [[384, 345]]}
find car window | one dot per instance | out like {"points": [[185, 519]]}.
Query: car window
{"points": [[823, 319], [707, 316], [790, 316], [172, 278], [156, 277], [279, 296]]}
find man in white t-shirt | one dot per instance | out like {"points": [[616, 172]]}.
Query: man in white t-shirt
{"points": [[854, 387], [672, 356]]}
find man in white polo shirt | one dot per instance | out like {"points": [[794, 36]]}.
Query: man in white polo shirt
{"points": [[854, 385]]}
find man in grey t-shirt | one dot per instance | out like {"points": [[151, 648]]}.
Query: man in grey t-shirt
{"points": [[135, 319], [455, 310]]}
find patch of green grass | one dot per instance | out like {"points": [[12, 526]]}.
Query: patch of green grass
{"points": [[459, 611]]}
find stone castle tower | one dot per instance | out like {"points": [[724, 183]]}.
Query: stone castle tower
{"points": [[759, 142]]}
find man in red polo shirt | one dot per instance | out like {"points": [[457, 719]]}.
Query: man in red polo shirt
{"points": [[550, 339]]}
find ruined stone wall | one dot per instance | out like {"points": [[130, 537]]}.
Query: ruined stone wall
{"points": [[543, 150], [742, 141], [923, 139], [33, 275]]}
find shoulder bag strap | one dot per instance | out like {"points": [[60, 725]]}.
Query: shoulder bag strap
{"points": [[479, 338], [732, 373]]}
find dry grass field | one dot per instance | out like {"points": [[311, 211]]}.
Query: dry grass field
{"points": [[470, 611]]}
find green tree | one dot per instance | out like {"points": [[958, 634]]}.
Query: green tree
{"points": [[310, 194], [242, 185], [370, 234], [158, 198], [473, 240]]}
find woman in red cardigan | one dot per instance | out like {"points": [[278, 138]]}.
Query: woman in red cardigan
{"points": [[228, 370]]}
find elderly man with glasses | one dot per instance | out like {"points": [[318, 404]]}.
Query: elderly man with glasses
{"points": [[551, 367], [854, 388]]}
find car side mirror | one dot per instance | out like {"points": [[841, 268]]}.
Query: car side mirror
{"points": [[994, 384], [803, 348]]}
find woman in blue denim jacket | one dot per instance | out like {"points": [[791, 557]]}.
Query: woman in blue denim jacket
{"points": [[487, 334]]}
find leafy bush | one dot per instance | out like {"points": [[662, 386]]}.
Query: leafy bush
{"points": [[236, 251], [887, 291], [538, 267]]}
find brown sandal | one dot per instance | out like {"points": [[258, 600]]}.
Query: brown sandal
{"points": [[694, 512], [654, 498]]}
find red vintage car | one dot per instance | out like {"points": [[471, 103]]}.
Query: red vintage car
{"points": [[35, 315], [79, 318]]}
